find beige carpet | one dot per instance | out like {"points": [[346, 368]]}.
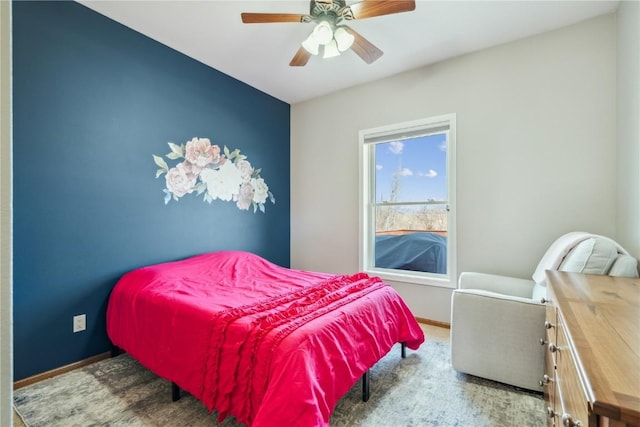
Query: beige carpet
{"points": [[421, 390]]}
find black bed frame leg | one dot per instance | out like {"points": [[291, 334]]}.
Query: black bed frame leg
{"points": [[366, 391], [115, 350], [175, 392], [365, 386]]}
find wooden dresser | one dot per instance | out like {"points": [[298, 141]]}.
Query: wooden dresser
{"points": [[592, 366]]}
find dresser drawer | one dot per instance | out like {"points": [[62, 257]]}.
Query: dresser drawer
{"points": [[551, 316], [549, 386], [549, 380], [573, 408]]}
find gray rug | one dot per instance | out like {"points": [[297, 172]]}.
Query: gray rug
{"points": [[421, 390]]}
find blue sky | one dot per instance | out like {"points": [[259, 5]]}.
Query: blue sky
{"points": [[421, 165]]}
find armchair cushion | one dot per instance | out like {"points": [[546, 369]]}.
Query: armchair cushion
{"points": [[511, 286]]}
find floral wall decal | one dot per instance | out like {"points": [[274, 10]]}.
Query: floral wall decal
{"points": [[225, 175]]}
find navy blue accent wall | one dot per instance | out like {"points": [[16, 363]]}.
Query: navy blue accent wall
{"points": [[93, 100]]}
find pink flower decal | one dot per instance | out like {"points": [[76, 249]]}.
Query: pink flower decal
{"points": [[200, 152], [245, 197], [216, 174], [180, 181]]}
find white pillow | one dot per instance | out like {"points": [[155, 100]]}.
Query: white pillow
{"points": [[624, 266], [556, 253], [592, 256]]}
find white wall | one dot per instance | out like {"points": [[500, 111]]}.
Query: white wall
{"points": [[628, 81], [536, 153], [6, 365]]}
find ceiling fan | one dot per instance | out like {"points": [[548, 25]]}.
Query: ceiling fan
{"points": [[330, 32]]}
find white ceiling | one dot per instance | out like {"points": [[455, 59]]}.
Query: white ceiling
{"points": [[259, 54]]}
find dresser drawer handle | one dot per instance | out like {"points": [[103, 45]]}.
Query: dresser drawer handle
{"points": [[550, 412], [543, 341], [567, 421], [543, 300], [546, 379], [548, 325], [553, 348]]}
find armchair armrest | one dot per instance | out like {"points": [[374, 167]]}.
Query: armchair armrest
{"points": [[498, 337], [499, 284]]}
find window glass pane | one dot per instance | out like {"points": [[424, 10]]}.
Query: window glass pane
{"points": [[411, 170], [411, 204], [400, 219], [411, 238]]}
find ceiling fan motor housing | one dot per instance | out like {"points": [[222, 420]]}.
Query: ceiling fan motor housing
{"points": [[331, 11]]}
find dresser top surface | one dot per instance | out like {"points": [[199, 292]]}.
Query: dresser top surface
{"points": [[601, 315]]}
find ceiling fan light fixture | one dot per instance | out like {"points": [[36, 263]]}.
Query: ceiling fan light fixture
{"points": [[331, 50], [343, 38], [323, 33], [329, 30], [311, 45]]}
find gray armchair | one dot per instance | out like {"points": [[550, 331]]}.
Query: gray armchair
{"points": [[497, 321]]}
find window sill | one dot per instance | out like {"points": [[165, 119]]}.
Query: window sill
{"points": [[417, 279]]}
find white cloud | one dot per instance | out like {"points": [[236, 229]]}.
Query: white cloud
{"points": [[443, 146], [378, 167], [405, 172], [430, 174], [396, 147]]}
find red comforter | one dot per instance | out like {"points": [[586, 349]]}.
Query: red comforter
{"points": [[270, 345]]}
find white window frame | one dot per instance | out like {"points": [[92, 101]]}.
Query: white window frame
{"points": [[367, 141]]}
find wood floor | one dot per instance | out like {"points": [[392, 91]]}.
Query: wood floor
{"points": [[435, 333]]}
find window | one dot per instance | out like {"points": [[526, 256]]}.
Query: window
{"points": [[407, 203]]}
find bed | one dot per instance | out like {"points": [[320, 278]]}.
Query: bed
{"points": [[269, 345]]}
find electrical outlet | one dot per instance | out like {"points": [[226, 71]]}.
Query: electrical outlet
{"points": [[79, 323]]}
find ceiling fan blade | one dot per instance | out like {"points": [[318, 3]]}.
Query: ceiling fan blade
{"points": [[371, 8], [300, 58], [263, 18], [363, 47]]}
